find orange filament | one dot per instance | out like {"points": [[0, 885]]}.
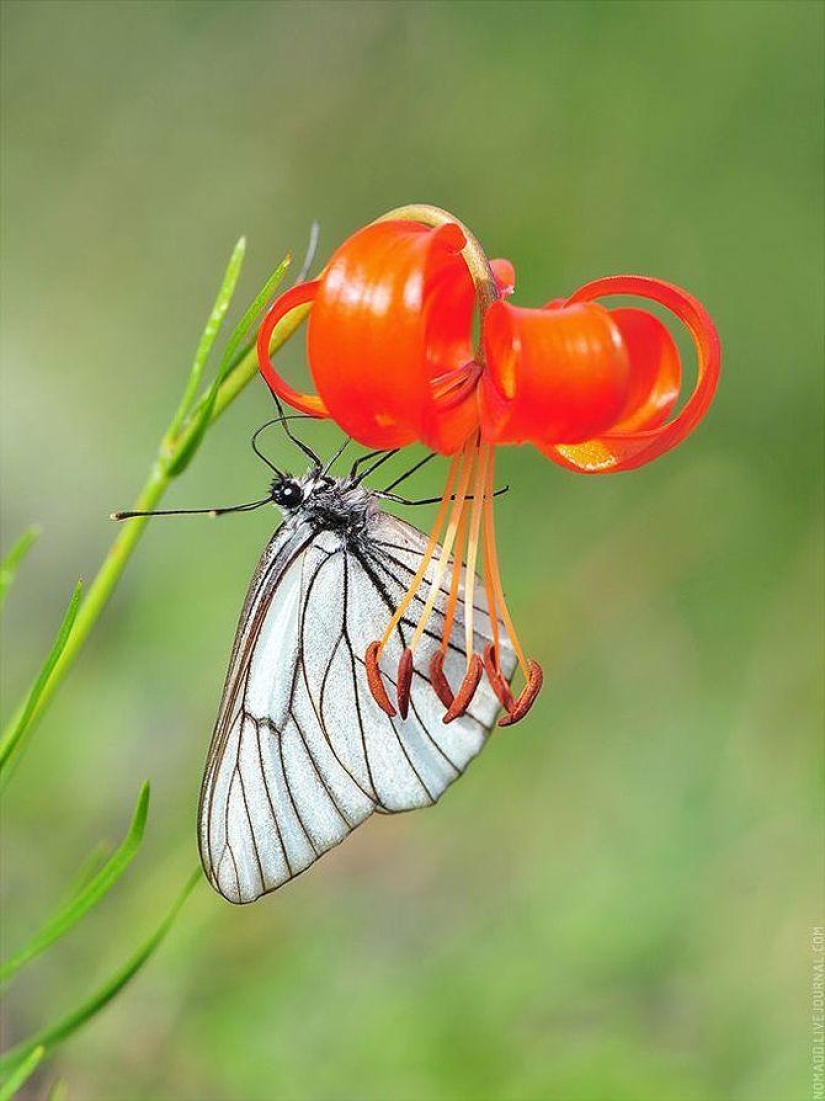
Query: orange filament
{"points": [[467, 456], [479, 504], [466, 527], [455, 582], [492, 573], [432, 543]]}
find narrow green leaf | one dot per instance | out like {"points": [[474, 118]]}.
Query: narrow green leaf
{"points": [[50, 1037], [58, 1091], [67, 916], [11, 563], [209, 335], [22, 1074], [14, 735], [252, 311], [202, 413], [89, 867]]}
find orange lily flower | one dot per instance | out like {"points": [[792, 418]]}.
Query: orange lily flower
{"points": [[390, 350]]}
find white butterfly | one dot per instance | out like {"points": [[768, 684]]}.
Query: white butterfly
{"points": [[302, 753]]}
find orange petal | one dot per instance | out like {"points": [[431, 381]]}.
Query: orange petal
{"points": [[553, 375], [292, 299], [655, 370], [393, 309], [621, 449]]}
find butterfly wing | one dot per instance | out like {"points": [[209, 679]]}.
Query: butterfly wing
{"points": [[301, 753]]}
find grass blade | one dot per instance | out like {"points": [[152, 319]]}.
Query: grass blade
{"points": [[208, 336], [68, 915], [22, 1073], [11, 563], [50, 1037], [250, 315], [204, 409], [12, 741], [89, 867]]}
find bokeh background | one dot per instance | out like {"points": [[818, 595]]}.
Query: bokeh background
{"points": [[617, 901]]}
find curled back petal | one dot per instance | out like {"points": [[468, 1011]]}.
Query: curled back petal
{"points": [[639, 436], [655, 370], [393, 311], [291, 300], [553, 374]]}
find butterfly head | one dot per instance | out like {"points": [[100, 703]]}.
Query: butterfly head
{"points": [[288, 493], [291, 493]]}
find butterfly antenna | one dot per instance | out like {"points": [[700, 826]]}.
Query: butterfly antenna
{"points": [[409, 473], [250, 506], [257, 450], [337, 456], [284, 419], [312, 249], [385, 455]]}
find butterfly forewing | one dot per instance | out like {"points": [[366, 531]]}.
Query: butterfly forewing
{"points": [[301, 752]]}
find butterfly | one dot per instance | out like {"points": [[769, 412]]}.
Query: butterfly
{"points": [[301, 752]]}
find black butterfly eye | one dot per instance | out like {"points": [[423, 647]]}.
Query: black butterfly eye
{"points": [[287, 493]]}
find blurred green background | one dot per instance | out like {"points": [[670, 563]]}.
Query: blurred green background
{"points": [[617, 901]]}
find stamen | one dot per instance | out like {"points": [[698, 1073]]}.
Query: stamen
{"points": [[493, 575], [441, 686], [527, 697], [464, 696], [432, 543], [496, 678], [474, 463], [491, 596], [404, 682], [479, 498], [467, 455], [376, 684], [455, 582]]}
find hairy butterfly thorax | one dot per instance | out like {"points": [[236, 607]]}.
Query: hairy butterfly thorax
{"points": [[332, 504]]}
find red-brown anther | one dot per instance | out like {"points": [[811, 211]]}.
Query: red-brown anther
{"points": [[464, 696], [528, 696], [441, 686], [496, 678], [376, 684], [405, 672]]}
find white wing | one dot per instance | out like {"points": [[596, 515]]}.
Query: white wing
{"points": [[301, 752]]}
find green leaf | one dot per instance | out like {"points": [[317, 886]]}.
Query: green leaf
{"points": [[89, 867], [50, 1037], [68, 915], [202, 414], [208, 336], [252, 312], [21, 1075], [13, 738], [58, 1091], [11, 563]]}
